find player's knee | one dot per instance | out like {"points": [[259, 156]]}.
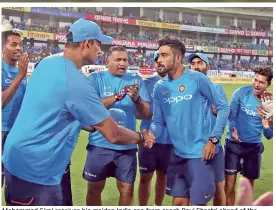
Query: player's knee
{"points": [[126, 189], [95, 188], [229, 187], [161, 175], [145, 178]]}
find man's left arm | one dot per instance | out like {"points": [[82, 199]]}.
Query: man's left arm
{"points": [[222, 92], [143, 110], [268, 132], [209, 90]]}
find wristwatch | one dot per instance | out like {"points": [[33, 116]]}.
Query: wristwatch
{"points": [[214, 140]]}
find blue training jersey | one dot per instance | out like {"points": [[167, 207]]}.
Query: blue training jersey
{"points": [[207, 107], [164, 137], [244, 117], [10, 111], [107, 85], [40, 144], [181, 103]]}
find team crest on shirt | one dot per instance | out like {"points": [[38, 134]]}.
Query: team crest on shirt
{"points": [[182, 88], [9, 75]]}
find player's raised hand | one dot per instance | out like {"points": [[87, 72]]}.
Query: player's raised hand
{"points": [[209, 151], [267, 104], [266, 96], [149, 138], [121, 94], [133, 91], [263, 114], [245, 195], [235, 135], [23, 64]]}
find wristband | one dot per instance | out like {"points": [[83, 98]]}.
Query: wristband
{"points": [[142, 138], [119, 96]]}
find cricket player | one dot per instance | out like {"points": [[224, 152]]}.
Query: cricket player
{"points": [[200, 62], [117, 89], [38, 148], [244, 137], [158, 157], [14, 70], [179, 100]]}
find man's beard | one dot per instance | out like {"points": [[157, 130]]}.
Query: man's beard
{"points": [[165, 70], [201, 71]]}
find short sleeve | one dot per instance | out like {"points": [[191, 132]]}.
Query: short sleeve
{"points": [[84, 103]]}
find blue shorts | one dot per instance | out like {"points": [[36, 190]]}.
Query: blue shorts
{"points": [[249, 153], [156, 158], [217, 164], [102, 163], [19, 192], [191, 178], [66, 188]]}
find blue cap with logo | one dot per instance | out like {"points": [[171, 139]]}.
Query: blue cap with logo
{"points": [[83, 30], [119, 116], [199, 55], [155, 55]]}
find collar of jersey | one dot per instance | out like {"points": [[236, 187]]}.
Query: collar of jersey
{"points": [[8, 68]]}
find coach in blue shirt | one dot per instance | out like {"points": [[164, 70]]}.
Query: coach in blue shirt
{"points": [[126, 91], [39, 147]]}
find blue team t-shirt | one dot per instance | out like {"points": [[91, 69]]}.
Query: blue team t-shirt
{"points": [[164, 137], [40, 143], [107, 85], [180, 103], [10, 111], [244, 117]]}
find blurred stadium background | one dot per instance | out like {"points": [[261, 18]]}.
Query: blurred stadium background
{"points": [[234, 39]]}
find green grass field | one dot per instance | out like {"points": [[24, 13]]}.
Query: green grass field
{"points": [[110, 194]]}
